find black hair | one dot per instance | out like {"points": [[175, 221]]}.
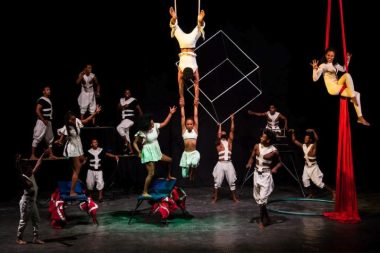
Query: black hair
{"points": [[143, 122], [270, 135], [324, 60], [311, 136], [188, 74]]}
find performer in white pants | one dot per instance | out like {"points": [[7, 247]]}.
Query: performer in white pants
{"points": [[311, 170], [43, 129], [267, 161], [128, 106], [329, 69], [224, 166], [273, 119], [190, 156], [187, 68], [87, 96], [95, 156]]}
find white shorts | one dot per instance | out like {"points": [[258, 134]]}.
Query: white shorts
{"points": [[95, 176]]}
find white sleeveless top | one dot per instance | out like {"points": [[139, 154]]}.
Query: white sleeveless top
{"points": [[189, 135], [264, 164], [310, 160]]}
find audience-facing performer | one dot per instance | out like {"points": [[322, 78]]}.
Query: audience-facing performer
{"points": [[273, 119], [190, 156], [95, 157], [266, 160], [311, 170], [224, 166], [128, 106], [151, 153], [73, 147], [87, 96], [344, 86]]}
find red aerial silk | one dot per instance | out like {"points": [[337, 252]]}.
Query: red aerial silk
{"points": [[346, 206]]}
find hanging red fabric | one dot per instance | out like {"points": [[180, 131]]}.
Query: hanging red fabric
{"points": [[346, 207]]}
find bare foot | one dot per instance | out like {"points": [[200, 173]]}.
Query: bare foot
{"points": [[33, 157], [333, 195], [73, 194], [213, 200], [170, 178], [261, 225], [235, 200], [53, 157], [361, 120], [38, 241], [145, 194], [21, 242]]}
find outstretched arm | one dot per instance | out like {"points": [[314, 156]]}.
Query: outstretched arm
{"points": [[38, 163], [86, 120], [138, 108], [262, 114], [172, 110]]}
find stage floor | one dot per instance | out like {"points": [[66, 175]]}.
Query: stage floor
{"points": [[221, 227]]}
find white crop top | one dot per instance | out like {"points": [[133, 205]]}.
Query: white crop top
{"points": [[189, 135]]}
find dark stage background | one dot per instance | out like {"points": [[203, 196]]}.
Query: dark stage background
{"points": [[50, 44]]}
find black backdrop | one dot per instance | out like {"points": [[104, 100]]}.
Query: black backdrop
{"points": [[49, 44]]}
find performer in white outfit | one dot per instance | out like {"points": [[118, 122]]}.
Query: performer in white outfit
{"points": [[95, 156], [344, 86], [128, 106], [224, 166], [147, 137], [87, 96], [190, 156], [267, 161], [43, 128], [311, 170], [73, 147], [187, 68], [273, 119]]}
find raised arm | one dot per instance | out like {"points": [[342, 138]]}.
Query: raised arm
{"points": [[172, 110], [183, 117], [232, 129], [294, 140], [317, 70], [86, 120], [201, 16], [80, 77], [38, 163], [173, 15], [196, 102], [219, 133]]}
